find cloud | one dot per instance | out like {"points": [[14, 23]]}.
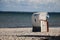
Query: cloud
{"points": [[30, 5], [32, 1], [35, 2], [40, 1]]}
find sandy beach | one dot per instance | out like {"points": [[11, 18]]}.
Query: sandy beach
{"points": [[16, 33], [28, 31]]}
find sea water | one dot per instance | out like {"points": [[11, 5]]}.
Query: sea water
{"points": [[23, 19]]}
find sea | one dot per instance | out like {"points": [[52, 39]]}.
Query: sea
{"points": [[24, 19]]}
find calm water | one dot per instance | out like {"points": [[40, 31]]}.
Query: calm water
{"points": [[20, 19]]}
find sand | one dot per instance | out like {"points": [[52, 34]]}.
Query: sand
{"points": [[14, 33], [28, 31]]}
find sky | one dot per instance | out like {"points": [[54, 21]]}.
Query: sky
{"points": [[30, 5]]}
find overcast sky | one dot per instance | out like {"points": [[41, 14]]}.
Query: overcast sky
{"points": [[30, 5]]}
